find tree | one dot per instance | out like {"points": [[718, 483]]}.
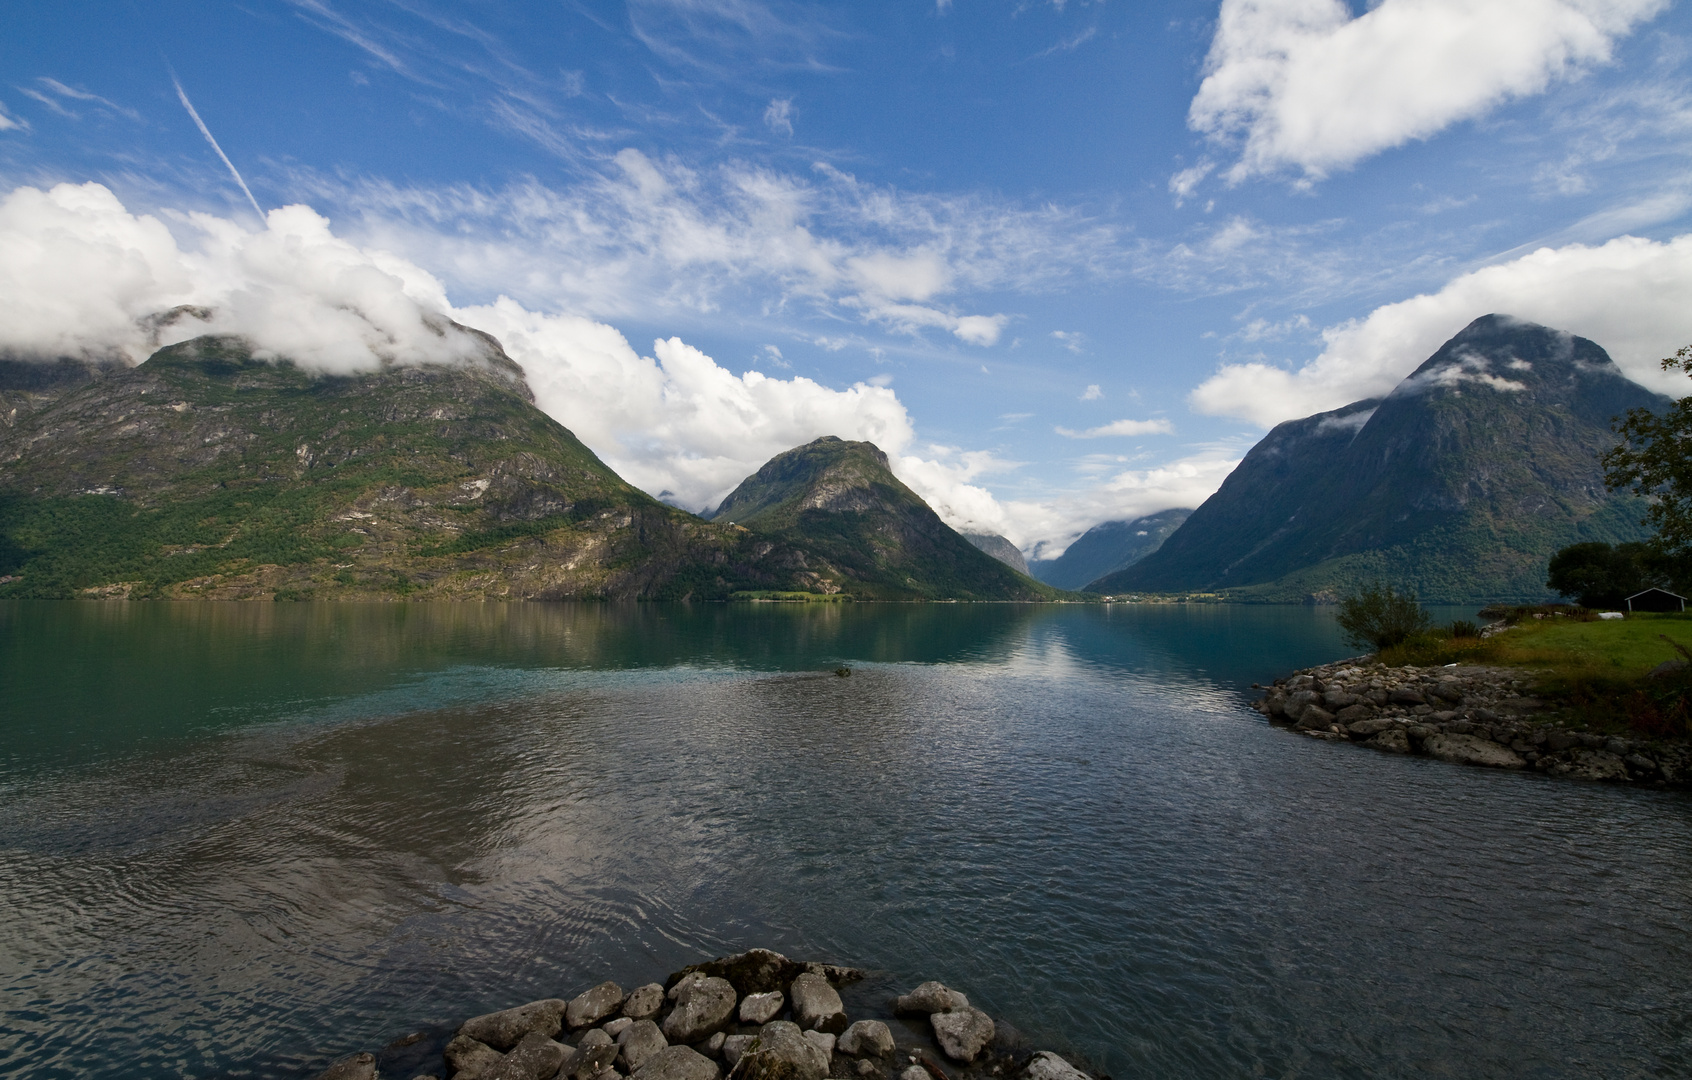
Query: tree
{"points": [[1601, 576], [1654, 459], [1377, 615]]}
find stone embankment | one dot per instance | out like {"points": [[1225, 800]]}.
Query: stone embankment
{"points": [[754, 1016], [1471, 715]]}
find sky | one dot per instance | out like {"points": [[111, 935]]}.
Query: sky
{"points": [[1065, 261]]}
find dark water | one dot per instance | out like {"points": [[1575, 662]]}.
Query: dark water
{"points": [[242, 839]]}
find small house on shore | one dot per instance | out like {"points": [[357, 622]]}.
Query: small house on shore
{"points": [[1656, 600]]}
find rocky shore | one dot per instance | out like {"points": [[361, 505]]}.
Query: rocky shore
{"points": [[753, 1016], [1471, 715]]}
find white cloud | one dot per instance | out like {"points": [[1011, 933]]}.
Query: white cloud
{"points": [[1073, 340], [1044, 528], [678, 421], [1092, 393], [11, 123], [779, 116], [1120, 427], [80, 274], [1304, 84], [1628, 295]]}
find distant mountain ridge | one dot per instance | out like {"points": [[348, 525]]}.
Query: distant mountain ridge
{"points": [[1108, 547], [1460, 483]]}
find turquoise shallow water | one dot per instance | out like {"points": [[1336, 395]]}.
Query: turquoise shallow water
{"points": [[242, 839]]}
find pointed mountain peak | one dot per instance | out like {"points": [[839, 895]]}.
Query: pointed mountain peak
{"points": [[838, 501], [829, 473]]}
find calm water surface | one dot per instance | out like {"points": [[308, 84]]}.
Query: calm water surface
{"points": [[243, 839]]}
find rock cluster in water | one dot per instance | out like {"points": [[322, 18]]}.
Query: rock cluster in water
{"points": [[1472, 715], [753, 1016]]}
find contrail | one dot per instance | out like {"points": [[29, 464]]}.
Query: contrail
{"points": [[204, 130]]}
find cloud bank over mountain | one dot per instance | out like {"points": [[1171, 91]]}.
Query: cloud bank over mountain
{"points": [[86, 277], [1628, 295]]}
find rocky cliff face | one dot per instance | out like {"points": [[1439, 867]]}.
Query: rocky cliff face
{"points": [[1460, 484], [838, 501], [1000, 548], [206, 473]]}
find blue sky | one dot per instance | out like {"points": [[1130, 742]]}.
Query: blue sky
{"points": [[1067, 259]]}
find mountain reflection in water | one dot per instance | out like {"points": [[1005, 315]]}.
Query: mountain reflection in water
{"points": [[245, 838]]}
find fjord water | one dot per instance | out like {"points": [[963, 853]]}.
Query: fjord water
{"points": [[243, 839]]}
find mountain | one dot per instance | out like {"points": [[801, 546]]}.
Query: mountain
{"points": [[839, 502], [1000, 548], [204, 472], [1460, 483], [1107, 548]]}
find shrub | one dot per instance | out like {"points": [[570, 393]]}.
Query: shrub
{"points": [[1463, 628], [1378, 615]]}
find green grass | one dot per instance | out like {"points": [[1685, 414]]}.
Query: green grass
{"points": [[1625, 648], [1597, 672]]}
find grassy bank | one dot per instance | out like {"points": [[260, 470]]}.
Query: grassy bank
{"points": [[1598, 672]]}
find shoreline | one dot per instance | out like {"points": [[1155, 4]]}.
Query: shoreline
{"points": [[756, 1015], [1468, 714]]}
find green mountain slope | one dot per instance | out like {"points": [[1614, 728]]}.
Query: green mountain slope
{"points": [[1460, 483], [839, 502], [1108, 547], [206, 473]]}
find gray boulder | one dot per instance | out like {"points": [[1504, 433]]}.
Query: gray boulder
{"points": [[758, 971], [1366, 728], [1472, 750], [1315, 718], [823, 1041], [914, 1072], [594, 1054], [930, 997], [1392, 740], [781, 1052], [1406, 695], [356, 1067], [817, 1005], [678, 1063], [535, 1057], [962, 1032], [1048, 1066], [761, 1008], [734, 1046], [616, 1027], [592, 1006], [469, 1058], [1300, 701], [644, 1002], [866, 1038], [1597, 765], [502, 1030], [639, 1041], [703, 1006], [689, 979]]}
